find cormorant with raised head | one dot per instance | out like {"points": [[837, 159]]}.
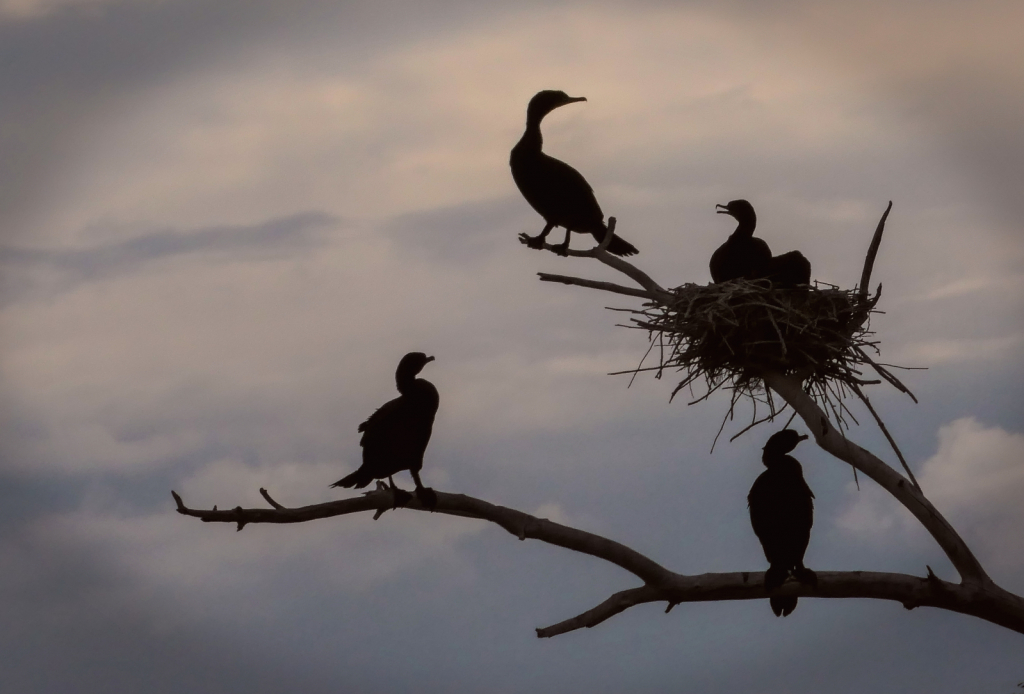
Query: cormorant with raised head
{"points": [[782, 513], [742, 256], [396, 435], [556, 190]]}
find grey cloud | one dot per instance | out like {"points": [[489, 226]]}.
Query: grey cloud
{"points": [[29, 272], [461, 620]]}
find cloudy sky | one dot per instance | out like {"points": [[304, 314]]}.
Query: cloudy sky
{"points": [[224, 223]]}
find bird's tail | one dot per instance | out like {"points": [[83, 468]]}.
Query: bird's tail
{"points": [[774, 577], [357, 479], [619, 246], [782, 607]]}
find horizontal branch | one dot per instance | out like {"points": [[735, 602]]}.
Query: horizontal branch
{"points": [[988, 602], [520, 524], [984, 600], [905, 491]]}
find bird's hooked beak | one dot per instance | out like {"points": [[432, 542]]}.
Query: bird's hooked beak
{"points": [[725, 209], [802, 437], [574, 99], [432, 359]]}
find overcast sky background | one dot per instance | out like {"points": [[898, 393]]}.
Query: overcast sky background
{"points": [[224, 223]]}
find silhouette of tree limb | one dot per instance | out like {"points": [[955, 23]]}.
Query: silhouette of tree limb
{"points": [[976, 594], [984, 600], [869, 260]]}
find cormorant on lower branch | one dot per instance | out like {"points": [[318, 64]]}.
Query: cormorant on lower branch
{"points": [[556, 190], [782, 513], [743, 256], [396, 435]]}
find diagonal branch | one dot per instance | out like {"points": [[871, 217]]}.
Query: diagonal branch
{"points": [[832, 441], [599, 252]]}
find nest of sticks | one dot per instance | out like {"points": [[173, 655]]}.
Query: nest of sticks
{"points": [[724, 336]]}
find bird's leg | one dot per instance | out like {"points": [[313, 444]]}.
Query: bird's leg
{"points": [[538, 240], [399, 497], [426, 495], [563, 248]]}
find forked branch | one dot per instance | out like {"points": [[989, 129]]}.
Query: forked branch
{"points": [[976, 595]]}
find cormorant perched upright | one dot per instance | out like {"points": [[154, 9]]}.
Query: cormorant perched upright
{"points": [[789, 269], [396, 435], [742, 256], [556, 190], [782, 513]]}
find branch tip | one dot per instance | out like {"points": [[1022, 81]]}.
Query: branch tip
{"points": [[266, 495], [177, 500]]}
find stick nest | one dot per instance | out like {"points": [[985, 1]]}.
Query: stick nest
{"points": [[728, 334]]}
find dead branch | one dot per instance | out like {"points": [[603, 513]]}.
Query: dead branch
{"points": [[985, 601], [599, 252], [869, 260], [976, 594], [908, 494]]}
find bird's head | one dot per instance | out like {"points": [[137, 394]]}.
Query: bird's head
{"points": [[547, 101], [741, 210], [782, 442], [411, 364]]}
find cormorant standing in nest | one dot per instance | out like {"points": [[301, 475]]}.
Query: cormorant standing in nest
{"points": [[742, 256], [789, 269], [556, 190], [396, 435], [782, 512]]}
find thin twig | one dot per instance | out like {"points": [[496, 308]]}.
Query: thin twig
{"points": [[888, 436]]}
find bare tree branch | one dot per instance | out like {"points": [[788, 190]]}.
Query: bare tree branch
{"points": [[599, 252], [869, 261], [832, 441], [595, 284], [983, 600], [520, 524], [988, 602], [976, 595]]}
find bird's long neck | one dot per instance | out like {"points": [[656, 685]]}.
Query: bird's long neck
{"points": [[745, 229], [405, 382], [781, 462], [531, 139]]}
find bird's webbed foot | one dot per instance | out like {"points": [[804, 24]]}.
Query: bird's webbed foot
{"points": [[427, 497], [562, 249], [535, 242]]}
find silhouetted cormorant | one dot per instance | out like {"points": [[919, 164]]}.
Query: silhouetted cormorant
{"points": [[782, 513], [556, 190], [742, 256], [789, 269], [396, 435]]}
